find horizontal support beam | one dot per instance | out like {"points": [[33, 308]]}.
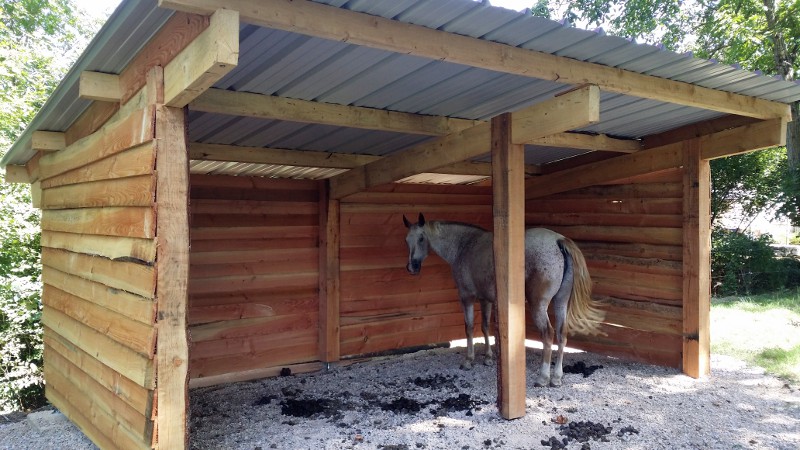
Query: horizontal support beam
{"points": [[645, 161], [593, 142], [745, 138], [260, 155], [272, 107], [339, 24], [103, 87], [306, 158], [208, 58], [48, 141], [572, 110]]}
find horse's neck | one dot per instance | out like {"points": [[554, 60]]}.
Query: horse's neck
{"points": [[451, 239]]}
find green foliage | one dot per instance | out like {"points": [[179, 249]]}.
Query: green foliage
{"points": [[39, 40], [649, 21], [746, 264], [21, 384], [751, 181]]}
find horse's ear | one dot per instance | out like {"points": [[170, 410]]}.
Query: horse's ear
{"points": [[406, 222], [421, 220]]}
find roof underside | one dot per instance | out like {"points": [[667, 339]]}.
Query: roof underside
{"points": [[286, 64]]}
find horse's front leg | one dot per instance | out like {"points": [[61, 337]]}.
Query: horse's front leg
{"points": [[469, 326], [486, 323]]}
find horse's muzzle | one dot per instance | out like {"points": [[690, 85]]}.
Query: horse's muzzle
{"points": [[413, 267]]}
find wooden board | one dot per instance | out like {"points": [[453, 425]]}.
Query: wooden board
{"points": [[126, 221], [134, 335], [508, 207], [111, 247], [131, 191], [112, 138], [172, 263], [135, 278], [696, 288], [137, 397], [124, 361]]}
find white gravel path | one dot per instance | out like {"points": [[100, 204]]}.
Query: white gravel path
{"points": [[653, 407]]}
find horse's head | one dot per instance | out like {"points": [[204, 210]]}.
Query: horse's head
{"points": [[417, 242]]}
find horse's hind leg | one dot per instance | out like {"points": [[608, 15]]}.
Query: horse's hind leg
{"points": [[560, 303], [542, 322], [486, 324], [469, 327], [560, 306]]}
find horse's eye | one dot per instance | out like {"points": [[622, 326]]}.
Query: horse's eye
{"points": [[421, 239]]}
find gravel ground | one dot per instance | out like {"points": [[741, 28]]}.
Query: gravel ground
{"points": [[424, 401]]}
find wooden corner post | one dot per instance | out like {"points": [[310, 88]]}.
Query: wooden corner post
{"points": [[696, 260], [329, 348], [172, 267], [508, 192]]}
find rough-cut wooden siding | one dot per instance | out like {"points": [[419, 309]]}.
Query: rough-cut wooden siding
{"points": [[630, 232], [382, 306], [99, 280], [254, 274]]}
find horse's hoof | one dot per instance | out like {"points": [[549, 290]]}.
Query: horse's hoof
{"points": [[555, 382], [488, 361], [541, 382], [466, 365]]}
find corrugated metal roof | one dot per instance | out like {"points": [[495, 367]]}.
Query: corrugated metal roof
{"points": [[274, 62]]}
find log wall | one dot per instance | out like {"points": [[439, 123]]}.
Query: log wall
{"points": [[254, 275], [98, 255], [382, 307], [255, 258], [630, 232]]}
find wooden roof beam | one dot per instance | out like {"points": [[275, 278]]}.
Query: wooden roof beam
{"points": [[594, 142], [102, 87], [768, 133], [307, 158], [338, 24], [204, 61], [574, 109], [48, 141], [16, 174], [272, 107]]}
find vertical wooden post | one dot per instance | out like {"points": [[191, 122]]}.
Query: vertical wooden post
{"points": [[329, 350], [696, 261], [172, 266], [508, 192]]}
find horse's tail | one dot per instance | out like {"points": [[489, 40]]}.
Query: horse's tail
{"points": [[583, 314]]}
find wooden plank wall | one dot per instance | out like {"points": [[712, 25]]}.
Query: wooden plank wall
{"points": [[254, 275], [382, 306], [254, 278], [630, 232], [98, 252]]}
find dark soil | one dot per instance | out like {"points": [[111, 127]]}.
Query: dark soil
{"points": [[584, 432], [581, 368], [295, 404]]}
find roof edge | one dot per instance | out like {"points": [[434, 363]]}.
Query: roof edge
{"points": [[117, 19]]}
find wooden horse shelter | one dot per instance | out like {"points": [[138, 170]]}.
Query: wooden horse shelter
{"points": [[222, 185]]}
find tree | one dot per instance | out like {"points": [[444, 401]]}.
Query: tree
{"points": [[761, 35], [39, 40]]}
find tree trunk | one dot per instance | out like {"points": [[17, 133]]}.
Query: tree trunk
{"points": [[793, 139]]}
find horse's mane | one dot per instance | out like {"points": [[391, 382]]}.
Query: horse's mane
{"points": [[462, 224]]}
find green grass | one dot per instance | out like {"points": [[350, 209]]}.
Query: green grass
{"points": [[762, 330]]}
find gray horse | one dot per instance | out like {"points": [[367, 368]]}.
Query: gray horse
{"points": [[554, 270]]}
